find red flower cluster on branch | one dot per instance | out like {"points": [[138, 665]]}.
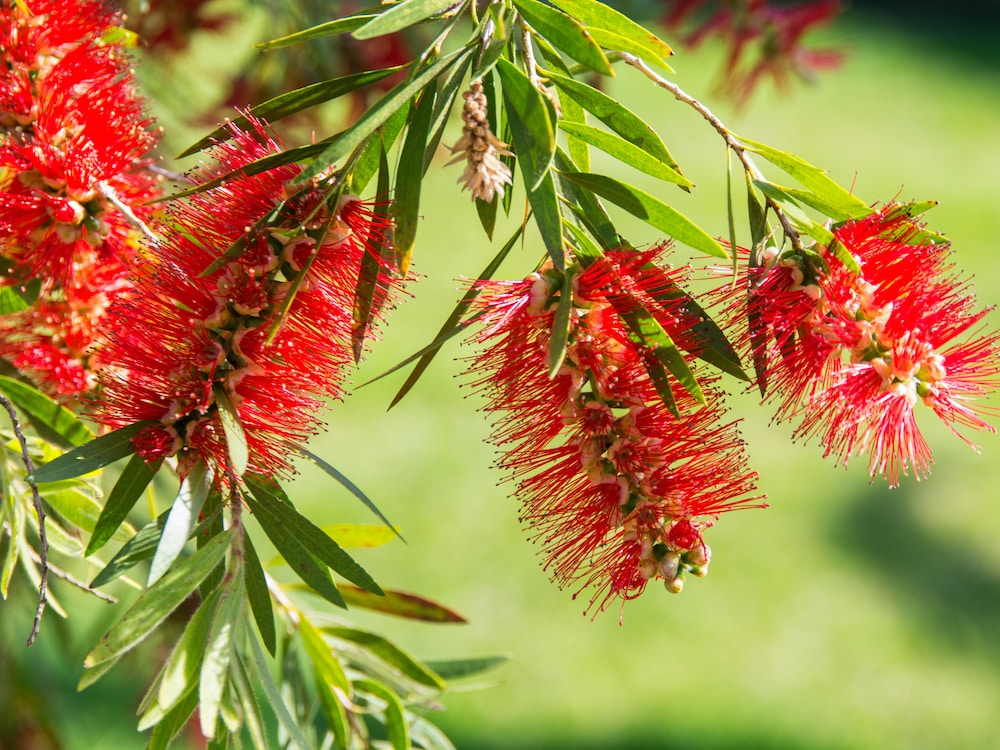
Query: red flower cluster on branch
{"points": [[74, 182], [266, 333], [852, 338], [776, 31], [617, 489]]}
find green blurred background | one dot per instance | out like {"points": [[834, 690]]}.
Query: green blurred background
{"points": [[845, 615]]}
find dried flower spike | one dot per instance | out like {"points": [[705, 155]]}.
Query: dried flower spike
{"points": [[484, 175]]}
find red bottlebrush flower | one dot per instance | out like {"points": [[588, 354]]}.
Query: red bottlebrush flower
{"points": [[851, 353], [182, 341], [616, 488]]}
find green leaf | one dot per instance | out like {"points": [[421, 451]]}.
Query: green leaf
{"points": [[600, 16], [322, 657], [133, 480], [401, 16], [367, 165], [218, 655], [173, 722], [92, 456], [531, 126], [395, 723], [544, 203], [181, 520], [814, 178], [158, 601], [616, 116], [310, 536], [625, 152], [649, 209], [585, 206], [561, 324], [365, 301], [455, 668], [359, 535], [253, 719], [451, 326], [184, 662], [346, 483], [339, 26], [292, 102], [574, 114], [12, 301], [637, 46], [395, 98], [729, 211], [400, 604], [406, 200], [258, 595], [390, 653], [232, 428], [566, 33], [93, 674], [273, 695], [53, 421]]}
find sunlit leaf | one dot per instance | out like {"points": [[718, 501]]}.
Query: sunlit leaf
{"points": [[651, 210], [172, 722], [232, 428], [181, 520], [561, 324], [184, 662], [273, 694], [566, 33], [395, 723], [12, 301], [330, 28], [322, 656], [625, 152], [400, 604], [599, 16], [214, 672], [390, 653], [258, 595], [53, 421], [400, 16], [531, 126], [636, 46], [135, 477], [544, 201], [158, 601], [406, 199], [616, 116], [367, 165], [456, 668], [92, 456]]}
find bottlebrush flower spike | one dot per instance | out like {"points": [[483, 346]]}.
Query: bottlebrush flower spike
{"points": [[616, 488], [184, 343], [851, 354]]}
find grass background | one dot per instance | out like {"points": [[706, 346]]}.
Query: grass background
{"points": [[844, 616]]}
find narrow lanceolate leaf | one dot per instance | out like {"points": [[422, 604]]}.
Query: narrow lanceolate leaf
{"points": [[399, 95], [133, 480], [322, 656], [330, 28], [93, 674], [452, 325], [455, 668], [616, 116], [757, 214], [258, 595], [346, 483], [651, 210], [359, 535], [53, 421], [213, 677], [232, 428], [379, 248], [625, 151], [544, 202], [92, 456], [367, 165], [401, 16], [181, 520], [11, 301], [184, 662], [158, 601], [637, 46], [401, 604], [812, 177], [263, 673], [531, 126], [561, 324], [309, 535], [566, 33], [406, 199], [599, 16], [395, 723], [170, 725], [585, 205], [390, 653], [295, 101]]}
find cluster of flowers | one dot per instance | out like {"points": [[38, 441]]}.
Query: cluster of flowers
{"points": [[850, 353], [617, 489], [776, 31], [265, 331], [74, 183]]}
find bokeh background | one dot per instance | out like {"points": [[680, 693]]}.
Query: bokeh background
{"points": [[845, 615]]}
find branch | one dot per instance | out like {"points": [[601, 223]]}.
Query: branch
{"points": [[108, 192], [721, 129], [43, 540]]}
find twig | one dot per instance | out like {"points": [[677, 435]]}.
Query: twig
{"points": [[73, 580], [721, 129], [529, 56], [43, 540], [108, 192]]}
